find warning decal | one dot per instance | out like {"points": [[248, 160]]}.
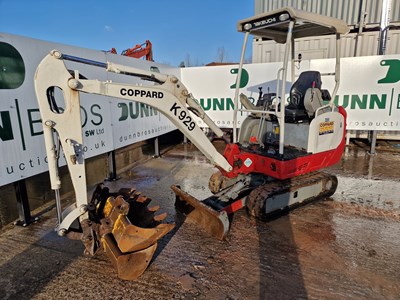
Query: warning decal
{"points": [[326, 127]]}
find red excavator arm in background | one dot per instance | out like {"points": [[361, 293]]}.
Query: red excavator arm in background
{"points": [[139, 51]]}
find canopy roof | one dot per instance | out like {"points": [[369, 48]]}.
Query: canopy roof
{"points": [[274, 25]]}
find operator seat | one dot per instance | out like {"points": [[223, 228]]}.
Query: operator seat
{"points": [[295, 110]]}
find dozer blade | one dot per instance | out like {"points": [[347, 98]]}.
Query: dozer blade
{"points": [[214, 222], [129, 230]]}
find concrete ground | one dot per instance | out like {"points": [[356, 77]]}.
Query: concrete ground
{"points": [[345, 247]]}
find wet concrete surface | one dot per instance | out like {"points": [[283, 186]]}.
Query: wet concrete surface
{"points": [[345, 247]]}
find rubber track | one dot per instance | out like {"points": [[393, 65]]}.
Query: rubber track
{"points": [[258, 197]]}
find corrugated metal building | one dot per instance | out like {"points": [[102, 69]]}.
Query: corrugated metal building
{"points": [[362, 16], [350, 11]]}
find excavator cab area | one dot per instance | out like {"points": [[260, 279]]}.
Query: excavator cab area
{"points": [[298, 124]]}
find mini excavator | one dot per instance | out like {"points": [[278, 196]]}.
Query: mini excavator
{"points": [[272, 164], [144, 50]]}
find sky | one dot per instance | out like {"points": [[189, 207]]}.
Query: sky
{"points": [[180, 30]]}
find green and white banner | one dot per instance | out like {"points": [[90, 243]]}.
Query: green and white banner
{"points": [[369, 88], [369, 91], [107, 123]]}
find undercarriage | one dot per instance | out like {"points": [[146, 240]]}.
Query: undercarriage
{"points": [[264, 198]]}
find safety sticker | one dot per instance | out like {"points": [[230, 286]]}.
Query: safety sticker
{"points": [[248, 162], [326, 127]]}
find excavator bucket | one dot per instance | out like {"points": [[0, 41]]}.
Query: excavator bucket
{"points": [[216, 223], [129, 230], [132, 238], [129, 266]]}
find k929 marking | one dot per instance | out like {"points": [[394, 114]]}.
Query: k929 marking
{"points": [[183, 116]]}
